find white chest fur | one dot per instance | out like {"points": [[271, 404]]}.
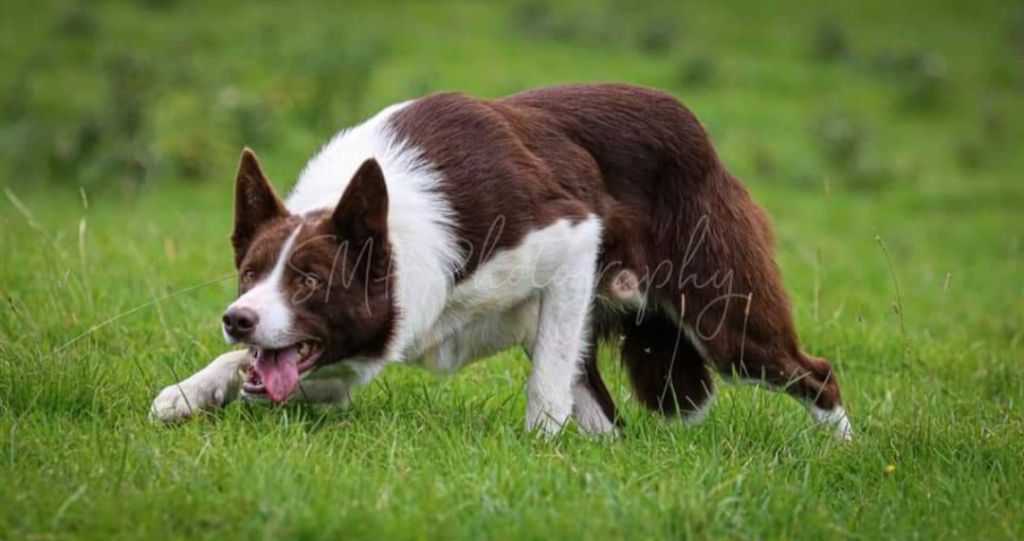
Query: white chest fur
{"points": [[498, 306]]}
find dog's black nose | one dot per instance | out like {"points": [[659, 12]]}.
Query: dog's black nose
{"points": [[240, 322]]}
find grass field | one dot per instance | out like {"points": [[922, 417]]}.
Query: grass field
{"points": [[885, 139]]}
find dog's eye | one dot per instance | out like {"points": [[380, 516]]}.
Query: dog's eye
{"points": [[310, 281], [248, 277]]}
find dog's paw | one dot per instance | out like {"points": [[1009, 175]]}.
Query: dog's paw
{"points": [[547, 412], [181, 400], [546, 422], [545, 426], [834, 420]]}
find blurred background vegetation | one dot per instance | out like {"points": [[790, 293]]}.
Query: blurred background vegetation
{"points": [[120, 96]]}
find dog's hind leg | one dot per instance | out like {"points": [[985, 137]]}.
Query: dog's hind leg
{"points": [[217, 384], [666, 370], [808, 379], [753, 339], [722, 284]]}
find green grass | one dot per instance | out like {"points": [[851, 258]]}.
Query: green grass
{"points": [[927, 164]]}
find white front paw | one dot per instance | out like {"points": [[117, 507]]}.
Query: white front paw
{"points": [[181, 400], [547, 419]]}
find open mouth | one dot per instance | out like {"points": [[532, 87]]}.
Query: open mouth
{"points": [[276, 372]]}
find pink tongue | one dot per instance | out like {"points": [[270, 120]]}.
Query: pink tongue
{"points": [[279, 370]]}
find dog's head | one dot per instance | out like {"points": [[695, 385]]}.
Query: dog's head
{"points": [[313, 289]]}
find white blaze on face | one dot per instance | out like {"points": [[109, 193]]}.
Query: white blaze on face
{"points": [[268, 300]]}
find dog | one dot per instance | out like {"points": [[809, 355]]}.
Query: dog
{"points": [[446, 229]]}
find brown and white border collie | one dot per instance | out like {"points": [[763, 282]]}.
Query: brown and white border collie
{"points": [[447, 228]]}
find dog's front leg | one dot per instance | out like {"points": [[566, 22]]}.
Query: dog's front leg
{"points": [[215, 385], [561, 338]]}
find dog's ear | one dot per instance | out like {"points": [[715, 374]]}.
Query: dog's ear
{"points": [[362, 213], [255, 204]]}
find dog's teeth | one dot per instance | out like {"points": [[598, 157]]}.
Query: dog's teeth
{"points": [[304, 349]]}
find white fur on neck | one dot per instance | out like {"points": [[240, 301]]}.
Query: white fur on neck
{"points": [[420, 220]]}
